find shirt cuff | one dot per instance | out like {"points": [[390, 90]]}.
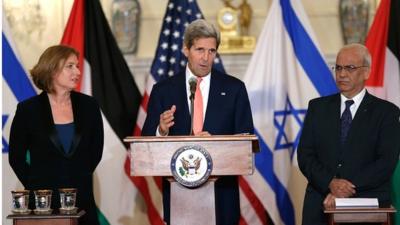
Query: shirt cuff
{"points": [[158, 132]]}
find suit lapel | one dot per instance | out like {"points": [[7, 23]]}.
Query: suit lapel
{"points": [[78, 122], [47, 118], [334, 122], [179, 87], [213, 95], [360, 116]]}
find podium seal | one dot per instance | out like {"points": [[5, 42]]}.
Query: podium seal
{"points": [[191, 165]]}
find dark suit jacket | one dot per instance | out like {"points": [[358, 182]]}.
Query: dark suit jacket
{"points": [[228, 112], [50, 168], [367, 158]]}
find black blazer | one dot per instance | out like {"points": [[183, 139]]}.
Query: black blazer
{"points": [[228, 112], [367, 158], [50, 168]]}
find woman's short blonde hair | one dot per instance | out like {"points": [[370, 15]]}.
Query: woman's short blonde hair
{"points": [[50, 62]]}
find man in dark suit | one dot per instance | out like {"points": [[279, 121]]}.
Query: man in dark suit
{"points": [[350, 141], [225, 110]]}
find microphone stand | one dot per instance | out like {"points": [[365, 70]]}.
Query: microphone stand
{"points": [[192, 88], [191, 112]]}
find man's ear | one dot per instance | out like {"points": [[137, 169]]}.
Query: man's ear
{"points": [[185, 51], [367, 73]]}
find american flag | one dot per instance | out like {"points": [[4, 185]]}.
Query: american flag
{"points": [[169, 60]]}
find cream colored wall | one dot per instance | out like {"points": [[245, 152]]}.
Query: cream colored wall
{"points": [[32, 41], [323, 15], [154, 10]]}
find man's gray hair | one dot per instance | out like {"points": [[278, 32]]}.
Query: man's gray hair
{"points": [[362, 50], [200, 29]]}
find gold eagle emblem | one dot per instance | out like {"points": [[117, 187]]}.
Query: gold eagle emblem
{"points": [[191, 166]]}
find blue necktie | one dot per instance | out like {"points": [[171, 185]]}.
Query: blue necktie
{"points": [[345, 121]]}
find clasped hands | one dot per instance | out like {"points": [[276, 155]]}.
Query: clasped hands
{"points": [[340, 188], [167, 121]]}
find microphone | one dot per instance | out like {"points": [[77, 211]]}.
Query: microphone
{"points": [[192, 87]]}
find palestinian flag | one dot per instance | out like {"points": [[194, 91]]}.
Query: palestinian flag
{"points": [[383, 41], [106, 76]]}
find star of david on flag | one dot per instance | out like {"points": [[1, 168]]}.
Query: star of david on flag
{"points": [[285, 120], [285, 72], [3, 140], [16, 87]]}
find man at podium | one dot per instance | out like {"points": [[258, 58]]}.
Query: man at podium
{"points": [[220, 107], [350, 143]]}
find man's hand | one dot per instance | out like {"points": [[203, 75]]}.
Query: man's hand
{"points": [[342, 188], [329, 201], [166, 121]]}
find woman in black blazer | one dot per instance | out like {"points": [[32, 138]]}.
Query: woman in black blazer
{"points": [[61, 130]]}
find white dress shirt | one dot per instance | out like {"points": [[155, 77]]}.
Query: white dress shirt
{"points": [[357, 101], [204, 88]]}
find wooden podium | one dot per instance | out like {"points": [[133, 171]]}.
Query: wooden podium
{"points": [[231, 155], [363, 215], [52, 219]]}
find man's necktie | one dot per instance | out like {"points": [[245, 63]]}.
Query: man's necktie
{"points": [[198, 109], [345, 121]]}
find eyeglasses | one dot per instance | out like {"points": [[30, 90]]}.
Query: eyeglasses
{"points": [[347, 68]]}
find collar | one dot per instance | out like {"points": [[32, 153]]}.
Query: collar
{"points": [[189, 74], [357, 99]]}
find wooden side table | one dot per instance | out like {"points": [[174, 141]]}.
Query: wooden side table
{"points": [[363, 215], [53, 219]]}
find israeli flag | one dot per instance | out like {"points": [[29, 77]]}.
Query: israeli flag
{"points": [[16, 87], [285, 72]]}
